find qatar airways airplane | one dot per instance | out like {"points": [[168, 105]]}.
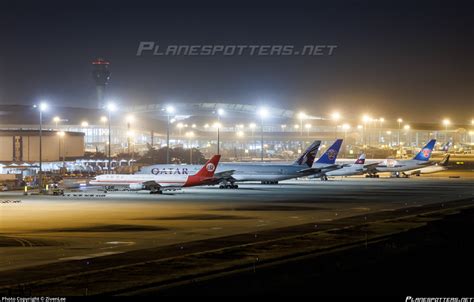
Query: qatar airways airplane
{"points": [[157, 183]]}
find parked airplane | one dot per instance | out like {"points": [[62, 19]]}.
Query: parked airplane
{"points": [[438, 167], [228, 174], [157, 183], [357, 168], [397, 166]]}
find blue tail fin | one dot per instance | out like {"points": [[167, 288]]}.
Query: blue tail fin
{"points": [[308, 156], [425, 152], [329, 157]]}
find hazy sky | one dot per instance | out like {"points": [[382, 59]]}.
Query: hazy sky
{"points": [[408, 59]]}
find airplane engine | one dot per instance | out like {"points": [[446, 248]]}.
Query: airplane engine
{"points": [[136, 187]]}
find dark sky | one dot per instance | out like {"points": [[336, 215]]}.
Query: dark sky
{"points": [[408, 59]]}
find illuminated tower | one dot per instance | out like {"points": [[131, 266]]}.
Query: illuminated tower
{"points": [[101, 75]]}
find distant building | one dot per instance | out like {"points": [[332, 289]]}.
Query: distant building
{"points": [[23, 145]]}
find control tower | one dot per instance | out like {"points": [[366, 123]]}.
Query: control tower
{"points": [[101, 75]]}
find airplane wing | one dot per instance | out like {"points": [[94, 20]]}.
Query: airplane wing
{"points": [[319, 170], [224, 174], [372, 165], [371, 168], [221, 176]]}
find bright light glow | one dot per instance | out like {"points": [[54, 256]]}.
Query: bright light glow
{"points": [[169, 109], [263, 112], [283, 126], [56, 119], [360, 126], [366, 118], [84, 124], [206, 126], [400, 120], [130, 133], [217, 125], [130, 118], [446, 122], [220, 112], [180, 125], [43, 106], [346, 126], [335, 116], [61, 133], [382, 119], [297, 126], [103, 119], [389, 132], [406, 127], [301, 115], [252, 125], [111, 107], [307, 126], [189, 134], [240, 133]]}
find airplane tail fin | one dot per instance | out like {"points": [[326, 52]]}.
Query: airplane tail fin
{"points": [[360, 160], [446, 146], [209, 167], [425, 152], [308, 156], [445, 160], [329, 157]]}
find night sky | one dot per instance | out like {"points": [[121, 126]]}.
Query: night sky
{"points": [[404, 59]]}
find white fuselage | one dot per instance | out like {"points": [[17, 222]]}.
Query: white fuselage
{"points": [[352, 169], [394, 165], [164, 180], [242, 172]]}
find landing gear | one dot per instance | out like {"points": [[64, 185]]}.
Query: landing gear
{"points": [[228, 185], [270, 182], [324, 178], [156, 191], [372, 176]]}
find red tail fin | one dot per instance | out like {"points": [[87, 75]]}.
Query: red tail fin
{"points": [[204, 176], [210, 167]]}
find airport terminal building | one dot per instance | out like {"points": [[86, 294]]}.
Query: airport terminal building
{"points": [[285, 132]]}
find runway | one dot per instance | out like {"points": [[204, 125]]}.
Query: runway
{"points": [[47, 229]]}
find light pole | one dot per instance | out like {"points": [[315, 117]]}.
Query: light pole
{"points": [[103, 120], [345, 127], [111, 107], [263, 113], [252, 127], [446, 123], [220, 112], [62, 136], [381, 120], [169, 111], [190, 135], [400, 121], [129, 119], [56, 121], [335, 116], [308, 127], [366, 119], [42, 107], [301, 116], [407, 129]]}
